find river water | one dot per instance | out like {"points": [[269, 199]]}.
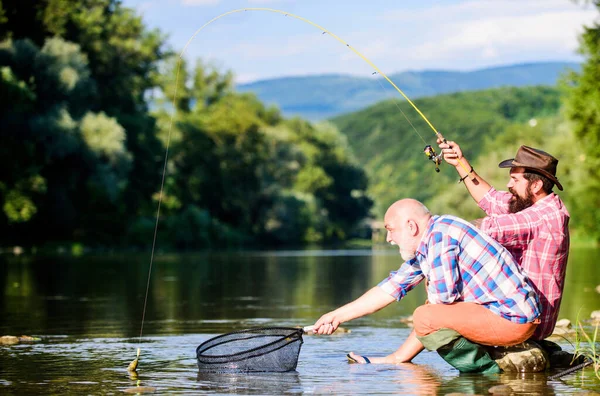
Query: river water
{"points": [[88, 310]]}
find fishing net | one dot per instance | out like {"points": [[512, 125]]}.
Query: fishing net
{"points": [[272, 349]]}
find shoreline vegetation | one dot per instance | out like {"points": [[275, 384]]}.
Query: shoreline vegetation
{"points": [[77, 249]]}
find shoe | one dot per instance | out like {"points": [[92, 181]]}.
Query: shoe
{"points": [[352, 360]]}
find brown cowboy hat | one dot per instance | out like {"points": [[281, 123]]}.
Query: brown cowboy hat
{"points": [[534, 160]]}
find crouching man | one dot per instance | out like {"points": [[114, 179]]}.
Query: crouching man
{"points": [[476, 292]]}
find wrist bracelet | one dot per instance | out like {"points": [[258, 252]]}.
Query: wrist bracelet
{"points": [[462, 179]]}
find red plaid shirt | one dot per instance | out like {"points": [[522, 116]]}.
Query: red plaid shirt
{"points": [[538, 238]]}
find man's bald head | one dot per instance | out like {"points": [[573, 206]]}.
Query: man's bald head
{"points": [[407, 209], [405, 222]]}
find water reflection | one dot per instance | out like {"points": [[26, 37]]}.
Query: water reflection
{"points": [[254, 383]]}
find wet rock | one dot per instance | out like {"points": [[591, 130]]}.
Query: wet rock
{"points": [[562, 331], [564, 323], [500, 390], [527, 357], [29, 339], [9, 340]]}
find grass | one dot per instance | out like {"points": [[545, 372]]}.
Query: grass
{"points": [[585, 345]]}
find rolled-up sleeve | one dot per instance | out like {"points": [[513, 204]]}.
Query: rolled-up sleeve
{"points": [[513, 229], [403, 280], [495, 202]]}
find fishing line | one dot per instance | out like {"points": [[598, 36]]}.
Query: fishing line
{"points": [[134, 363], [398, 106], [324, 31]]}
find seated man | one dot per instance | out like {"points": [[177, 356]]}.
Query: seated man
{"points": [[529, 220], [474, 286]]}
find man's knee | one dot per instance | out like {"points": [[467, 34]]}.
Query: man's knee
{"points": [[423, 320]]}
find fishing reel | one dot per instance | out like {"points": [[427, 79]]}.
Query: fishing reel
{"points": [[433, 157]]}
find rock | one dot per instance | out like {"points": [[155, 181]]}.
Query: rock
{"points": [[562, 331], [500, 390], [564, 323], [9, 340], [527, 357], [598, 288], [29, 339], [595, 315]]}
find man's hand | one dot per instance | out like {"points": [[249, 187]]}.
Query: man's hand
{"points": [[451, 152], [327, 324]]}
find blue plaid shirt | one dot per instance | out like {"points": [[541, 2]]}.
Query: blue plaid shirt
{"points": [[461, 263]]}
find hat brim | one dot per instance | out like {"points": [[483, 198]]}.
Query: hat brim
{"points": [[510, 163]]}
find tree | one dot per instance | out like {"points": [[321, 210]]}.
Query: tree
{"points": [[583, 108]]}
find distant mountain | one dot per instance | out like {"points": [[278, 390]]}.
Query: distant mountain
{"points": [[320, 97]]}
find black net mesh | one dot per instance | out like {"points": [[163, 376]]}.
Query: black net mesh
{"points": [[274, 349]]}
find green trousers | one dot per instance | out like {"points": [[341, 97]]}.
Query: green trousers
{"points": [[460, 353]]}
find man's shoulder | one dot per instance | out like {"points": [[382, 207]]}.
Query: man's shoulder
{"points": [[449, 222], [550, 205]]}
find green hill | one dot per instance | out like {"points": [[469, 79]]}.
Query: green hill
{"points": [[391, 151], [325, 96]]}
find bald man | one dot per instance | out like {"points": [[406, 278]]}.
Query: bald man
{"points": [[474, 287]]}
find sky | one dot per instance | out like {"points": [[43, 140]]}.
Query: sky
{"points": [[394, 35]]}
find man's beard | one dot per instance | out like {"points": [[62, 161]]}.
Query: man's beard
{"points": [[517, 203], [406, 254]]}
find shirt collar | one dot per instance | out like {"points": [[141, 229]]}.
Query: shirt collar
{"points": [[422, 249]]}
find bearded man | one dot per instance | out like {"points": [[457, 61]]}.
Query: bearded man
{"points": [[529, 220]]}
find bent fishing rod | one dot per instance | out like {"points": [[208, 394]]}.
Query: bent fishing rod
{"points": [[428, 150]]}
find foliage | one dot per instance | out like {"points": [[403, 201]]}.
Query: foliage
{"points": [[276, 181], [73, 120], [587, 346], [583, 108]]}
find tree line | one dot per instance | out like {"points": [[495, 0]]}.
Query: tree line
{"points": [[84, 119]]}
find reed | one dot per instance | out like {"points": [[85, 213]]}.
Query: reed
{"points": [[586, 346]]}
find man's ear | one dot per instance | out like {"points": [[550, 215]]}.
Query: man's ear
{"points": [[413, 227], [536, 186]]}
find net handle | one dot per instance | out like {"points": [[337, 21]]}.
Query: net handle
{"points": [[308, 329]]}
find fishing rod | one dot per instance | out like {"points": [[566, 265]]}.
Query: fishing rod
{"points": [[428, 150]]}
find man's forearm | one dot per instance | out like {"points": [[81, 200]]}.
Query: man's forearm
{"points": [[372, 301], [477, 188]]}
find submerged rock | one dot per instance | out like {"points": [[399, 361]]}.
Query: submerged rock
{"points": [[500, 390], [11, 340]]}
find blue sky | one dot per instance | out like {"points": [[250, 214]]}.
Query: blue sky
{"points": [[396, 35]]}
